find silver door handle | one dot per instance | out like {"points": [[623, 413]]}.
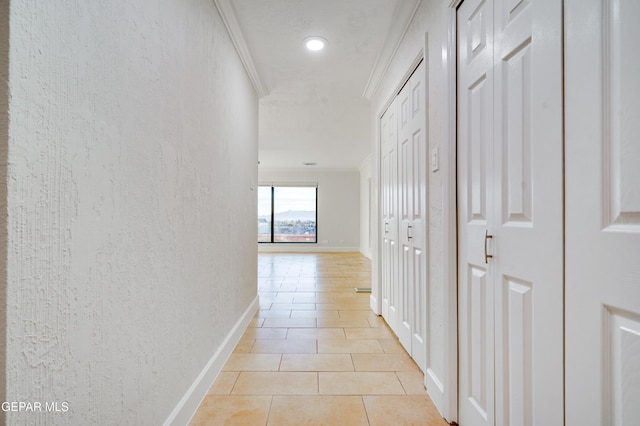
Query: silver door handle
{"points": [[486, 238], [386, 224], [408, 232]]}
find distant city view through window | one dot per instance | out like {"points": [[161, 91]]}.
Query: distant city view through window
{"points": [[287, 214]]}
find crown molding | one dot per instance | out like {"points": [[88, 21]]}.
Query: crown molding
{"points": [[235, 33], [402, 16]]}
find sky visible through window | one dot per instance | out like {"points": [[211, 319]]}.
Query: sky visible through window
{"points": [[287, 199]]}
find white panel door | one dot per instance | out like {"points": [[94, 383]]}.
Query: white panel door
{"points": [[389, 231], [528, 216], [510, 212], [602, 92], [475, 201], [412, 237]]}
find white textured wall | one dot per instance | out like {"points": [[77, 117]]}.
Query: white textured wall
{"points": [[131, 223], [428, 21], [4, 145], [338, 208]]}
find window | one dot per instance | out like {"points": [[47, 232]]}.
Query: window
{"points": [[287, 214], [264, 214]]}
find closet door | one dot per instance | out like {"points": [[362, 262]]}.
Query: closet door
{"points": [[510, 212], [412, 236], [389, 231], [603, 212], [528, 215], [475, 205]]}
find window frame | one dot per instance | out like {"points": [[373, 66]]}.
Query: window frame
{"points": [[273, 187]]}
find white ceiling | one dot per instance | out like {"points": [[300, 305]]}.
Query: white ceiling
{"points": [[312, 107]]}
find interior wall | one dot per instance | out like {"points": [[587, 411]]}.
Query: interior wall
{"points": [[366, 189], [132, 150], [427, 30], [338, 209], [4, 152]]}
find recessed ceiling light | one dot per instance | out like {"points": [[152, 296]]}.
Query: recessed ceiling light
{"points": [[315, 43]]}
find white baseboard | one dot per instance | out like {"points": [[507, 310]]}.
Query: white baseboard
{"points": [[188, 405], [435, 389], [366, 252], [304, 248], [374, 305]]}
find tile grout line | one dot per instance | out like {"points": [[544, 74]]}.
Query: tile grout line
{"points": [[366, 412], [234, 383], [353, 363], [269, 411], [401, 384]]}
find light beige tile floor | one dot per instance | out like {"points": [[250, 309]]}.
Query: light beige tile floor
{"points": [[315, 354]]}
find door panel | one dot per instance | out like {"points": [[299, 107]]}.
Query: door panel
{"points": [[389, 179], [479, 322], [475, 277], [418, 231], [412, 130], [602, 63], [621, 149], [479, 135], [528, 225], [516, 353], [516, 127], [622, 345], [406, 209], [510, 199]]}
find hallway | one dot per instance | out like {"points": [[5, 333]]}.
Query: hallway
{"points": [[316, 354]]}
